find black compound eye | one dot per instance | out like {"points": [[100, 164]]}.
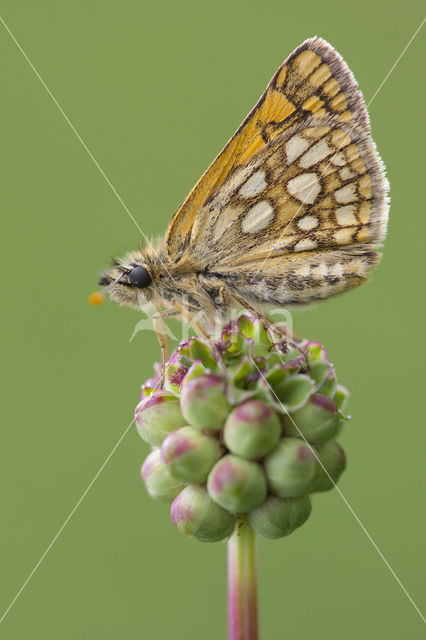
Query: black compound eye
{"points": [[139, 277]]}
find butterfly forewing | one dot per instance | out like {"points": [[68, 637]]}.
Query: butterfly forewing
{"points": [[314, 80], [320, 185], [294, 208]]}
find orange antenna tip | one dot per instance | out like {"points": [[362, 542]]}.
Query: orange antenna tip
{"points": [[96, 298]]}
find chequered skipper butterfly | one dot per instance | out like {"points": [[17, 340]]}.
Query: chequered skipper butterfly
{"points": [[292, 210]]}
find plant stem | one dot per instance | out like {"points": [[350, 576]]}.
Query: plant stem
{"points": [[242, 583]]}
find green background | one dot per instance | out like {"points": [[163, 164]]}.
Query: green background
{"points": [[155, 91]]}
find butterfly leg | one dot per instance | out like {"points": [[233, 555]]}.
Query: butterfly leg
{"points": [[159, 329], [162, 335], [186, 314], [272, 329]]}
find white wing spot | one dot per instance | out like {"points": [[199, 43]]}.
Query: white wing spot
{"points": [[346, 173], [346, 194], [307, 223], [305, 245], [357, 266], [336, 270], [320, 271], [303, 270], [305, 187], [316, 153], [295, 147], [345, 215], [258, 217], [338, 159], [254, 185]]}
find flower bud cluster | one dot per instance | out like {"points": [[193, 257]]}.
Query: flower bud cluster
{"points": [[243, 425]]}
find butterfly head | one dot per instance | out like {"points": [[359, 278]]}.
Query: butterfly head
{"points": [[129, 282]]}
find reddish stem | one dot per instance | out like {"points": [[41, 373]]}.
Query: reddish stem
{"points": [[242, 583]]}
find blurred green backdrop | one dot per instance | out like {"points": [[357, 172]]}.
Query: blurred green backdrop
{"points": [[155, 90]]}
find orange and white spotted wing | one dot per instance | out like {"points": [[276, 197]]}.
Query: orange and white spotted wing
{"points": [[302, 220], [295, 206], [313, 80]]}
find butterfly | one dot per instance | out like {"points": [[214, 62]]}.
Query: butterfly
{"points": [[293, 210]]}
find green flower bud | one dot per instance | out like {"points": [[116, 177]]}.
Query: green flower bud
{"points": [[158, 481], [290, 468], [333, 458], [252, 430], [204, 403], [276, 409], [157, 415], [189, 454], [318, 420], [236, 484], [196, 515], [278, 517]]}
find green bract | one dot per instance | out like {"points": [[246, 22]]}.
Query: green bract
{"points": [[247, 425]]}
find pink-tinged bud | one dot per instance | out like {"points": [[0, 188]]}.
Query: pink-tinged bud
{"points": [[252, 430], [290, 468], [157, 416], [236, 484], [158, 481], [204, 403], [194, 513], [190, 455], [318, 420], [278, 517], [333, 459], [315, 351]]}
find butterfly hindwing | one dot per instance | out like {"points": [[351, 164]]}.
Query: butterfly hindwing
{"points": [[314, 80]]}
